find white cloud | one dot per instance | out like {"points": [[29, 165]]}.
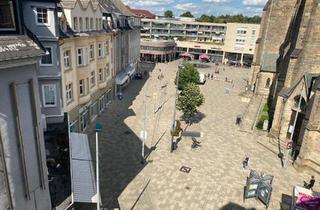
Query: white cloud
{"points": [[144, 3], [216, 1], [254, 2], [185, 6]]}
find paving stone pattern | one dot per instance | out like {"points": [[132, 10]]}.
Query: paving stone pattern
{"points": [[216, 179]]}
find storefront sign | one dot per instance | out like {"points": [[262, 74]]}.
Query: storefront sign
{"points": [[258, 186]]}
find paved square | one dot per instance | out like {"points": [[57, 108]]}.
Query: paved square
{"points": [[216, 178]]}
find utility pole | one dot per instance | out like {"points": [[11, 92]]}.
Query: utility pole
{"points": [[98, 129], [174, 112]]}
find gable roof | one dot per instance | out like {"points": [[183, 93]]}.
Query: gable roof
{"points": [[144, 13], [70, 4]]}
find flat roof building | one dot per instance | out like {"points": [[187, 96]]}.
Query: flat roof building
{"points": [[223, 42]]}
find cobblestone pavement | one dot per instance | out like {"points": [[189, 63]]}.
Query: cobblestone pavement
{"points": [[216, 179]]}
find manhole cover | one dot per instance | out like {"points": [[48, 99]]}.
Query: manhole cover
{"points": [[185, 169], [127, 132]]}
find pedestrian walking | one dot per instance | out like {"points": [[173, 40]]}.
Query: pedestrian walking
{"points": [[245, 162], [310, 184]]}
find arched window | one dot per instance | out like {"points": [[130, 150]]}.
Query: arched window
{"points": [[268, 83]]}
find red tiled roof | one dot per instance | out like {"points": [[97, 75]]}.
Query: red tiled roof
{"points": [[143, 13]]}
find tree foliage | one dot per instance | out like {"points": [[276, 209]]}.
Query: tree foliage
{"points": [[168, 14], [187, 14], [229, 19], [187, 74], [190, 99]]}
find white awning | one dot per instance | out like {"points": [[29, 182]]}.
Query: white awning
{"points": [[131, 69], [121, 78], [83, 184]]}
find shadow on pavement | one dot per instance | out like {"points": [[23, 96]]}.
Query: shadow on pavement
{"points": [[196, 118], [119, 147], [234, 206]]}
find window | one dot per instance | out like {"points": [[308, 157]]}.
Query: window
{"points": [[253, 32], [91, 52], [49, 95], [7, 21], [241, 31], [69, 95], [107, 70], [46, 60], [91, 23], [67, 59], [100, 53], [97, 24], [82, 55], [92, 79], [42, 16], [80, 24], [100, 75], [75, 24], [100, 23], [268, 83], [106, 48], [81, 87], [87, 23]]}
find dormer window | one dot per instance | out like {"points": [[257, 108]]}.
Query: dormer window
{"points": [[80, 24], [87, 24], [7, 20], [42, 16], [75, 24], [91, 24]]}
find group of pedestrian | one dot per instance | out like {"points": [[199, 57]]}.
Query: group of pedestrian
{"points": [[210, 76]]}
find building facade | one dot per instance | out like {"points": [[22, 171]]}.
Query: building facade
{"points": [[293, 87], [230, 42], [157, 50], [126, 43], [85, 54], [41, 19], [23, 172]]}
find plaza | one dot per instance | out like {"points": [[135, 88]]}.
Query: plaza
{"points": [[216, 179]]}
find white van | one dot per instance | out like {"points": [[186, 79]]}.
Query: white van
{"points": [[202, 78]]}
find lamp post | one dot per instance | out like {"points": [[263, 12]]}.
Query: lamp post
{"points": [[174, 112], [98, 129]]}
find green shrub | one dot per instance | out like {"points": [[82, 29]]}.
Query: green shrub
{"points": [[261, 121]]}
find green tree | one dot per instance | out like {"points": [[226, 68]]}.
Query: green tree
{"points": [[187, 14], [187, 74], [204, 18], [168, 14], [189, 100]]}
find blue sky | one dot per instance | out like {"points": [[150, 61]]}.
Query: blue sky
{"points": [[198, 7]]}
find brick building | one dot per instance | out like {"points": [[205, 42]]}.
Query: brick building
{"points": [[287, 70]]}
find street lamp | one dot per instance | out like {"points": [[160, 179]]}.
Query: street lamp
{"points": [[98, 129], [174, 112]]}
